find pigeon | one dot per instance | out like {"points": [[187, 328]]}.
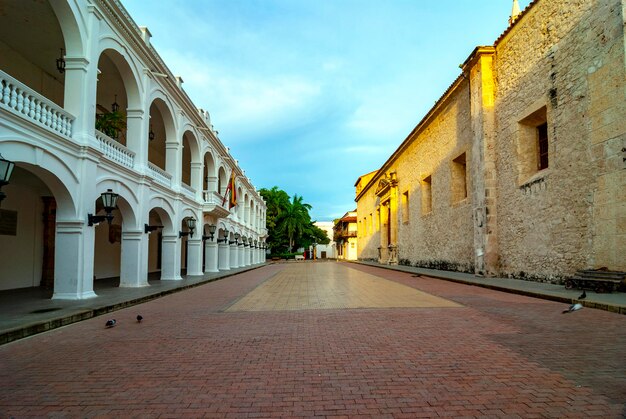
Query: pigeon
{"points": [[139, 318], [111, 323], [573, 307], [583, 295]]}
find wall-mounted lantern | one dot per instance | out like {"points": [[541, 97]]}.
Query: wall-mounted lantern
{"points": [[211, 233], [109, 199], [148, 228], [191, 225], [6, 168], [224, 238]]}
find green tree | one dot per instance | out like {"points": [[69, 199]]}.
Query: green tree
{"points": [[294, 221], [277, 202]]}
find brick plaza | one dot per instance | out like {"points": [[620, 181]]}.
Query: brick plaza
{"points": [[329, 340]]}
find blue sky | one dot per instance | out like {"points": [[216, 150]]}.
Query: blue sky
{"points": [[311, 94]]}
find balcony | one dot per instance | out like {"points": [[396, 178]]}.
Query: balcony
{"points": [[213, 204], [115, 151], [21, 100], [160, 175]]}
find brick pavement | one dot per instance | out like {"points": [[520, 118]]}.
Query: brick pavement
{"points": [[498, 355]]}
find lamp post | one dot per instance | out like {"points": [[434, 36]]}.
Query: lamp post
{"points": [[109, 199], [224, 239], [6, 168]]}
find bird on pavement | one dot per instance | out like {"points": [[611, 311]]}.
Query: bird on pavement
{"points": [[573, 307], [111, 323], [139, 318], [583, 295]]}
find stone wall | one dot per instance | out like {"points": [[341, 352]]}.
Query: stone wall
{"points": [[565, 62], [557, 73]]}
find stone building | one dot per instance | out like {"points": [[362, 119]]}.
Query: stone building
{"points": [[88, 106], [519, 169]]}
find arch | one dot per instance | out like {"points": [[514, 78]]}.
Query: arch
{"points": [[166, 219], [222, 181], [162, 102], [194, 143], [51, 169], [72, 27], [128, 70], [125, 205]]}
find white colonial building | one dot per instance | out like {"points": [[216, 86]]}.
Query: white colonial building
{"points": [[67, 67]]}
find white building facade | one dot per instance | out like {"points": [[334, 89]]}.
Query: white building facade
{"points": [[67, 67]]}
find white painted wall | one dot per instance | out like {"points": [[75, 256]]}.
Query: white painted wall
{"points": [[22, 255]]}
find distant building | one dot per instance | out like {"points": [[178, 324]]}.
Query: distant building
{"points": [[326, 251], [88, 106], [519, 169], [345, 236]]}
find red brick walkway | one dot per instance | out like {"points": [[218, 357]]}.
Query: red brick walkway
{"points": [[500, 355]]}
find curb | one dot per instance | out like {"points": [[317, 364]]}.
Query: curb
{"points": [[613, 308], [22, 332]]}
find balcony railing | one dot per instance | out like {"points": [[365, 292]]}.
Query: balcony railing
{"points": [[21, 99], [188, 190], [213, 198], [159, 175], [115, 151]]}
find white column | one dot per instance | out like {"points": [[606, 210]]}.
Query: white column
{"points": [[73, 261], [170, 258], [241, 250], [132, 273], [194, 256], [234, 256], [196, 178], [223, 256], [210, 256]]}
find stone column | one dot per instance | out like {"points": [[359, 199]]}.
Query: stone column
{"points": [[234, 256], [223, 256], [194, 256], [170, 258], [479, 67], [241, 255], [73, 267], [210, 256], [133, 259]]}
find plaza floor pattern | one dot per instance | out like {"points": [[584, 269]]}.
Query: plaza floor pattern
{"points": [[307, 286], [467, 352]]}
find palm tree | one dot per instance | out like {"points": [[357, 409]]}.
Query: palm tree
{"points": [[294, 220]]}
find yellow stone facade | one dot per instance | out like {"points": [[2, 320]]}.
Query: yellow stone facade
{"points": [[520, 167]]}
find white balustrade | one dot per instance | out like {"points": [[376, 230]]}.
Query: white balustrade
{"points": [[188, 190], [21, 99], [213, 198], [160, 175], [115, 151]]}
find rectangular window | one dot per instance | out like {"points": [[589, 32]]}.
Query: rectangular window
{"points": [[532, 144], [378, 219], [459, 179], [542, 140], [427, 195], [405, 207]]}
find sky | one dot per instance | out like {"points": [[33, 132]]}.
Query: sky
{"points": [[311, 94]]}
